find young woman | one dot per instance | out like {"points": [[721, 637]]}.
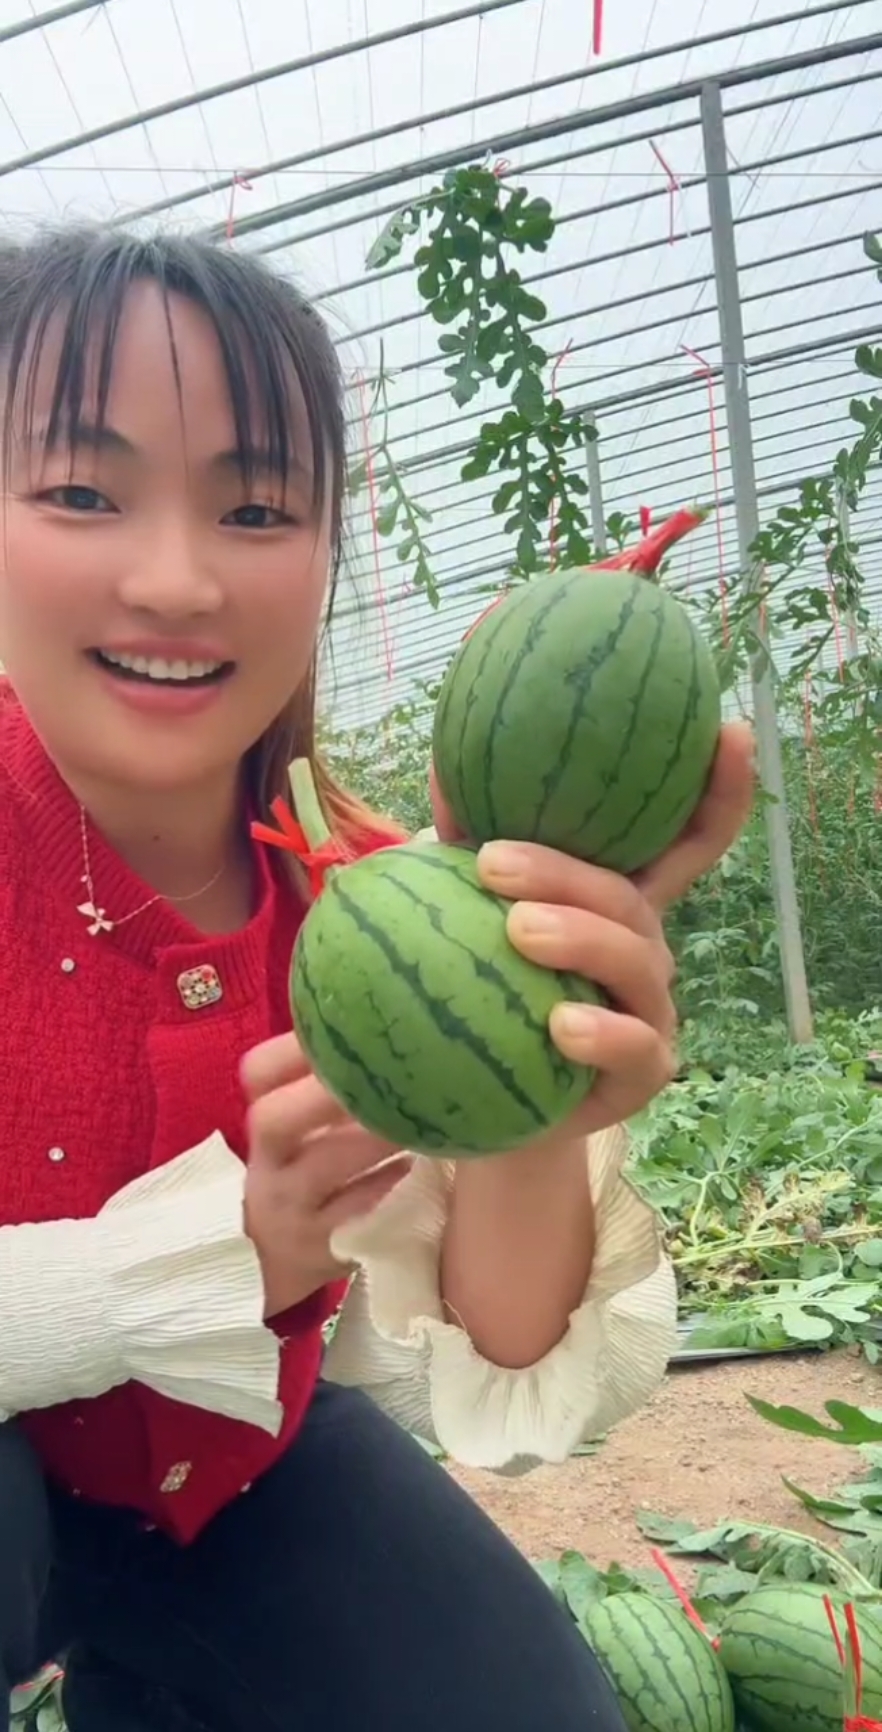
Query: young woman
{"points": [[185, 1507]]}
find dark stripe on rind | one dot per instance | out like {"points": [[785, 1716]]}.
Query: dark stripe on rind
{"points": [[582, 677], [644, 1651], [647, 1670], [755, 1635], [451, 1026], [312, 1032], [459, 679], [690, 712], [485, 969], [484, 781], [532, 637], [602, 849]]}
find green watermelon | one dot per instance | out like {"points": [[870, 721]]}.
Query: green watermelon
{"points": [[582, 712], [779, 1652], [664, 1672], [418, 1014]]}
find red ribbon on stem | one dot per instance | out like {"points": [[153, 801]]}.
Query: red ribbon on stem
{"points": [[646, 557], [291, 838], [851, 1657], [661, 1563]]}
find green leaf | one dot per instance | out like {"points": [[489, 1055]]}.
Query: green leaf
{"points": [[549, 1570], [390, 240], [802, 1325], [582, 1584], [869, 361], [664, 1530], [356, 478], [851, 1425], [870, 1252], [528, 396], [723, 1582]]}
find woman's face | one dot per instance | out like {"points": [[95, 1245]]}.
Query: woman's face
{"points": [[156, 613]]}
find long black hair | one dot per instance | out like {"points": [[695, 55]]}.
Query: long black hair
{"points": [[273, 344]]}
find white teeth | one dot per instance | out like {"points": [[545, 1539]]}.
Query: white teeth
{"points": [[157, 668]]}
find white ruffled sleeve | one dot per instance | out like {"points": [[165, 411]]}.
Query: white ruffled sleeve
{"points": [[162, 1287], [393, 1339]]}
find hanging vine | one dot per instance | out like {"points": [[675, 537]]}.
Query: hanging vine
{"points": [[814, 534], [467, 235], [470, 228], [394, 511]]}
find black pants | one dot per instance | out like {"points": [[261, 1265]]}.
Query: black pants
{"points": [[355, 1585]]}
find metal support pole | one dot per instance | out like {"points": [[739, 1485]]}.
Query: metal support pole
{"points": [[734, 358], [595, 488]]}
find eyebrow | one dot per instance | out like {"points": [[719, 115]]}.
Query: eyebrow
{"points": [[103, 438], [85, 433]]}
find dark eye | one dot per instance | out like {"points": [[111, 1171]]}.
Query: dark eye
{"points": [[256, 517], [80, 499]]}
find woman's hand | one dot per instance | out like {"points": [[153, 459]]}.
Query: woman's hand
{"points": [[310, 1169], [585, 920]]}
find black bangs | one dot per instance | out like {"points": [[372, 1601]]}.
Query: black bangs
{"points": [[273, 345]]}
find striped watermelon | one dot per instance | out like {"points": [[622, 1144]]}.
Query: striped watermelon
{"points": [[583, 711], [418, 1014], [663, 1670], [779, 1652]]}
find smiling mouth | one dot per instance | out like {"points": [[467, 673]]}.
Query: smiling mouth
{"points": [[159, 671]]}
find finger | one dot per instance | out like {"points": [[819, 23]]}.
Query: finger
{"points": [[362, 1197], [280, 1121], [525, 872], [720, 817], [635, 972], [338, 1158], [445, 824], [271, 1065], [634, 1063]]}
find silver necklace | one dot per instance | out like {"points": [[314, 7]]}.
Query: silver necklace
{"points": [[98, 918]]}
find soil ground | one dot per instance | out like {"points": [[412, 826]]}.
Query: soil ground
{"points": [[698, 1451]]}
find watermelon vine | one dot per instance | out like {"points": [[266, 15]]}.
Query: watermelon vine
{"points": [[812, 531], [398, 511], [468, 229]]}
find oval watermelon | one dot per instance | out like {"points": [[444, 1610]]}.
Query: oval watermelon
{"points": [[665, 1674], [780, 1655], [582, 712], [418, 1014]]}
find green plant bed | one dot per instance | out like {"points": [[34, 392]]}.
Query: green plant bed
{"points": [[770, 1189]]}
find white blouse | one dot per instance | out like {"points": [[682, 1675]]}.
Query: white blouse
{"points": [[164, 1287]]}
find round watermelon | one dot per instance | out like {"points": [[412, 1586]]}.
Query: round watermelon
{"points": [[419, 1015], [582, 712], [666, 1675]]}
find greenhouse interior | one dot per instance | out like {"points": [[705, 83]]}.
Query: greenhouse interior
{"points": [[601, 291]]}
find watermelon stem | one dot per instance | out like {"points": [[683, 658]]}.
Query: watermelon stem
{"points": [[309, 839], [307, 805]]}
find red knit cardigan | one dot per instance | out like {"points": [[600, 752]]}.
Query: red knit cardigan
{"points": [[102, 1060]]}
